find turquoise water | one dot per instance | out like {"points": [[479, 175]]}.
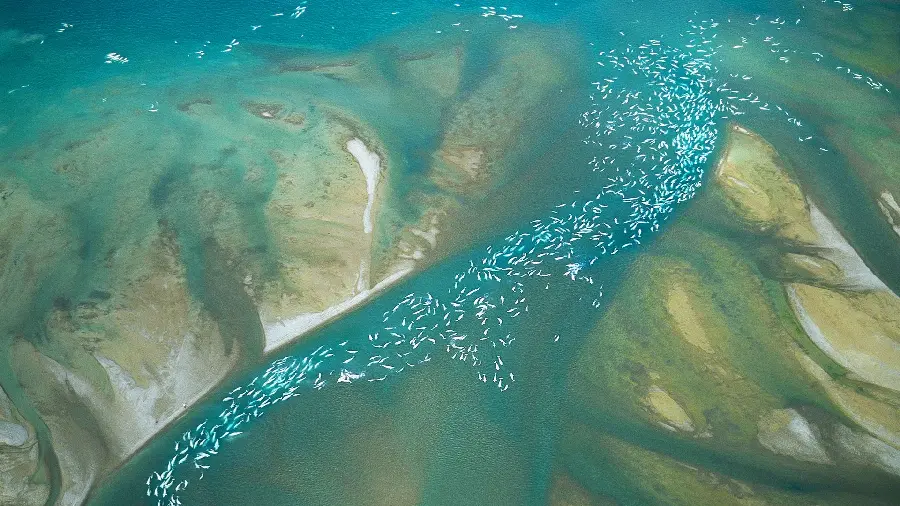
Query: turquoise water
{"points": [[441, 418]]}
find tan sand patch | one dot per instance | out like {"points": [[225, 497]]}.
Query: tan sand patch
{"points": [[786, 432], [858, 330], [668, 408], [878, 418], [680, 307], [759, 188]]}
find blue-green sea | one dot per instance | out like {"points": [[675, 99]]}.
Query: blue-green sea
{"points": [[473, 380]]}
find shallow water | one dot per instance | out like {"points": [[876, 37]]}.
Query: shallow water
{"points": [[440, 428]]}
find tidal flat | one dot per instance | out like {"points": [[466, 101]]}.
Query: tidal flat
{"points": [[174, 260], [590, 253], [709, 340]]}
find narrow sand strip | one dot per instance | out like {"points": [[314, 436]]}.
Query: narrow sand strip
{"points": [[286, 331], [841, 253], [891, 210], [370, 164], [362, 280]]}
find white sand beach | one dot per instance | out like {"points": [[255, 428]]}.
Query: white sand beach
{"points": [[891, 210], [836, 248], [286, 331], [370, 163]]}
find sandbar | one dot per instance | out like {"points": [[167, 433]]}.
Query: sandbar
{"points": [[285, 331], [836, 249], [370, 163], [12, 434]]}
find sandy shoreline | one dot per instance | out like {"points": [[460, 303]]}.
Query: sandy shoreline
{"points": [[370, 164], [891, 210], [278, 335], [836, 249], [288, 330], [812, 329]]}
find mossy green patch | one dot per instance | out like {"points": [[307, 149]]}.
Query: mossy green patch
{"points": [[744, 366], [632, 475], [867, 39]]}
